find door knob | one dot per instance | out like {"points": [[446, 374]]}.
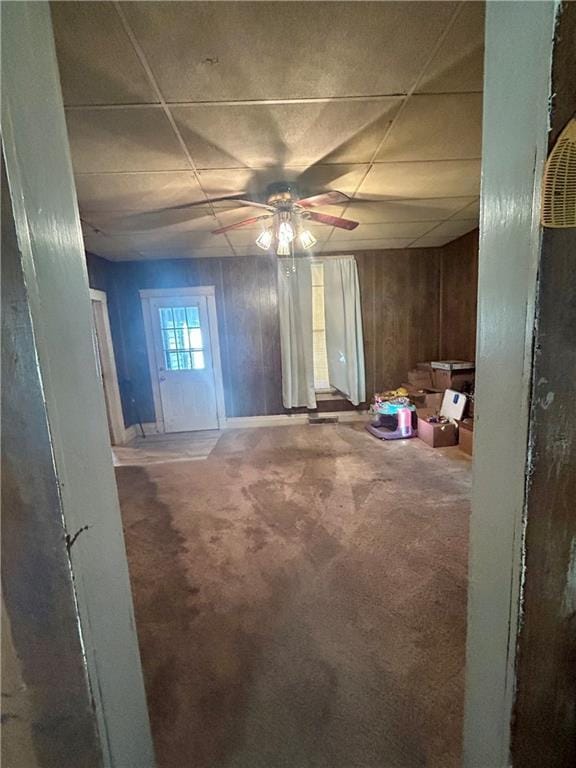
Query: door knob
{"points": [[162, 378]]}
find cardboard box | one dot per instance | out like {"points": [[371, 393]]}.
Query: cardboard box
{"points": [[465, 436], [433, 400], [419, 379], [435, 435], [453, 365], [458, 380], [417, 397]]}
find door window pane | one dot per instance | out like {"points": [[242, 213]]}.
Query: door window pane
{"points": [[168, 339], [182, 341], [179, 317], [172, 363], [195, 338], [193, 317], [198, 361], [166, 318]]}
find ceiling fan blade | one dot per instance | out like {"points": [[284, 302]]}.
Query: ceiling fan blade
{"points": [[325, 198], [239, 224], [240, 199], [333, 221]]}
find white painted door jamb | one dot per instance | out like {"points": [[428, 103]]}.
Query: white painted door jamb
{"points": [[109, 371], [517, 84], [39, 171]]}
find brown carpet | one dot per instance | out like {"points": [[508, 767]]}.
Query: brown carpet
{"points": [[301, 600]]}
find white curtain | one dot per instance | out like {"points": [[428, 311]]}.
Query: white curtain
{"points": [[344, 339], [295, 309]]}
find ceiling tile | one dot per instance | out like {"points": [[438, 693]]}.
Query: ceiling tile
{"points": [[459, 64], [280, 135], [471, 211], [117, 223], [449, 178], [187, 252], [123, 140], [97, 62], [441, 127], [431, 209], [180, 239], [366, 245], [404, 229], [136, 191], [445, 232], [237, 51], [108, 247]]}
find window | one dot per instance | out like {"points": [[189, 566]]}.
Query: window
{"points": [[182, 338], [321, 379]]}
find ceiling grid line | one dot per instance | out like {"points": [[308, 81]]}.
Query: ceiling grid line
{"points": [[405, 102], [149, 73], [255, 102], [440, 223]]}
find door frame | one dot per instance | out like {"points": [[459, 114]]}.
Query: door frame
{"points": [[109, 370], [514, 149], [208, 291]]}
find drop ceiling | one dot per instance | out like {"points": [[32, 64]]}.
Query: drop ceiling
{"points": [[169, 103]]}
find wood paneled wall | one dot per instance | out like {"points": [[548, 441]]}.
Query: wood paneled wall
{"points": [[458, 298], [246, 301], [400, 292], [400, 295]]}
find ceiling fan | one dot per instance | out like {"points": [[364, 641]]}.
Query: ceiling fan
{"points": [[284, 222]]}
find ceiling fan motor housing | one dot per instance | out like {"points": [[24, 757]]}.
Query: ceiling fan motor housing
{"points": [[281, 194]]}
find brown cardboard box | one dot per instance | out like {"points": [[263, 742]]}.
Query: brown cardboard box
{"points": [[417, 397], [435, 435], [419, 379], [465, 436], [433, 400], [457, 380]]}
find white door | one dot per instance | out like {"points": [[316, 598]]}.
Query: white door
{"points": [[185, 368]]}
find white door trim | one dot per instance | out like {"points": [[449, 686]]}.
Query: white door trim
{"points": [[109, 370], [517, 95], [204, 290]]}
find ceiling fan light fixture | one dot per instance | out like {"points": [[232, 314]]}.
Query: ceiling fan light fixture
{"points": [[285, 232], [283, 248], [307, 239], [264, 239]]}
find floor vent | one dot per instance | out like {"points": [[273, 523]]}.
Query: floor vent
{"points": [[322, 419]]}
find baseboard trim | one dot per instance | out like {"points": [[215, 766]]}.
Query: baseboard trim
{"points": [[289, 419], [150, 428]]}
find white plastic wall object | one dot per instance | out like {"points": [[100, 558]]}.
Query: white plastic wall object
{"points": [[453, 404]]}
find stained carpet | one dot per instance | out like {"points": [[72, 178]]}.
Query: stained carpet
{"points": [[300, 599]]}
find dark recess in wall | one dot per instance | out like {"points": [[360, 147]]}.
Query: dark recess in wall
{"points": [[401, 299]]}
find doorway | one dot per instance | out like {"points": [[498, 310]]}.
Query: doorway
{"points": [[106, 365], [184, 358]]}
